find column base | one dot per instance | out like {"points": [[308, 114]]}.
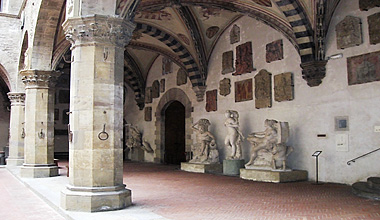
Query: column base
{"points": [[96, 199], [274, 176], [202, 168], [14, 162], [38, 171]]}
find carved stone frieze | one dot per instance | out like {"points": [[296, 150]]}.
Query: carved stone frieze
{"points": [[313, 72], [225, 87], [365, 5], [98, 29], [274, 51], [39, 78], [348, 32], [243, 90], [16, 98], [283, 87], [374, 28], [211, 100], [263, 89], [244, 59], [181, 77], [228, 62]]}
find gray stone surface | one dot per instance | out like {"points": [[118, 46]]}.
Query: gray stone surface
{"points": [[274, 176], [232, 167], [202, 168]]}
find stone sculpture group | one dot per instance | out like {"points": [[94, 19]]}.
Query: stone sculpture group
{"points": [[268, 148]]}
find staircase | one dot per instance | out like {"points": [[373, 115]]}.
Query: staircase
{"points": [[369, 189]]}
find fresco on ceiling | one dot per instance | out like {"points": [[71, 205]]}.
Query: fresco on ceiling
{"points": [[154, 15]]}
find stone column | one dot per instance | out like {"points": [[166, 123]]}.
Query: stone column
{"points": [[16, 129], [96, 119], [39, 124]]}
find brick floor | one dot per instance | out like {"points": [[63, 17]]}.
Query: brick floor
{"points": [[180, 195]]}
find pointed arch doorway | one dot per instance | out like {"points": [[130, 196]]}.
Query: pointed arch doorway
{"points": [[175, 133]]}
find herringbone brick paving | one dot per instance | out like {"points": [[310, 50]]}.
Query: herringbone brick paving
{"points": [[180, 195]]}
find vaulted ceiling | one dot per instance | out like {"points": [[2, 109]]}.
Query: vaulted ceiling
{"points": [[186, 31]]}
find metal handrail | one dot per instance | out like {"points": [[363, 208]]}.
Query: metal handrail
{"points": [[353, 160]]}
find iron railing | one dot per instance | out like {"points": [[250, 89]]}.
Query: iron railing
{"points": [[353, 160]]}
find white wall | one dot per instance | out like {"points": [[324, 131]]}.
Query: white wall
{"points": [[311, 112]]}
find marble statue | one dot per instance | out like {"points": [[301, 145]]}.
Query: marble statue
{"points": [[234, 136], [135, 140], [269, 147], [205, 150]]}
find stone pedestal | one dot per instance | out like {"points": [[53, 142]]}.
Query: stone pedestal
{"points": [[137, 154], [96, 119], [232, 167], [202, 168], [16, 129], [274, 176], [39, 124]]}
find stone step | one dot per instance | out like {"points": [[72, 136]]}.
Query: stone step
{"points": [[374, 182], [362, 189]]}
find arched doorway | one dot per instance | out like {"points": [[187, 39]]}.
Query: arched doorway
{"points": [[175, 133]]}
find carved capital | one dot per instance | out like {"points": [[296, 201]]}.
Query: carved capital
{"points": [[98, 29], [200, 92], [16, 98], [313, 72], [39, 79]]}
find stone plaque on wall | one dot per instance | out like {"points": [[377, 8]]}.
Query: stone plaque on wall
{"points": [[244, 60], [348, 32], [365, 5], [363, 68], [274, 51], [211, 100], [167, 66], [162, 85], [225, 87], [228, 62], [243, 90], [235, 34], [148, 114], [148, 95], [155, 89], [374, 28], [283, 87], [263, 89], [181, 77]]}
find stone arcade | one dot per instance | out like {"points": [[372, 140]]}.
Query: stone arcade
{"points": [[196, 78]]}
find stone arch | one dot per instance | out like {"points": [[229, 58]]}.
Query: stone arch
{"points": [[44, 33], [170, 96], [24, 47], [5, 87]]}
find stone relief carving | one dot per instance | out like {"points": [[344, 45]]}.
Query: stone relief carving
{"points": [[243, 90], [134, 139], [263, 89], [156, 89], [148, 114], [162, 85], [374, 28], [148, 95], [274, 51], [228, 62], [348, 32], [269, 150], [212, 31], [225, 87], [181, 77], [211, 100], [363, 68], [154, 15], [167, 66], [235, 34], [205, 151], [234, 136], [365, 5], [244, 59], [283, 87]]}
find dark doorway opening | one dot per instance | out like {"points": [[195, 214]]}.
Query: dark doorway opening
{"points": [[175, 133]]}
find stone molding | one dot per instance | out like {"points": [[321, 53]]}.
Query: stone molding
{"points": [[98, 29], [39, 79], [313, 72], [16, 98], [200, 92]]}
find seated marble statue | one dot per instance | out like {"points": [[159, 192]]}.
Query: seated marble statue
{"points": [[268, 147], [205, 150]]}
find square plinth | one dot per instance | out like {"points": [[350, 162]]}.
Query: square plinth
{"points": [[232, 167], [273, 176], [202, 168]]}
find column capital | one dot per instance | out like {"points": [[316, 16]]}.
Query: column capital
{"points": [[98, 29], [313, 72], [17, 98], [39, 79]]}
